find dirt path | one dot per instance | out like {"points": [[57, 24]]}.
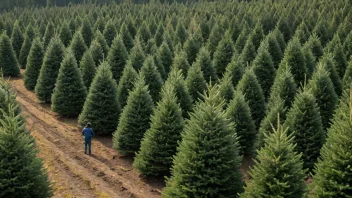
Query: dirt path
{"points": [[104, 174]]}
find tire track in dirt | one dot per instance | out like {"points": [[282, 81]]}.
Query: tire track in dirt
{"points": [[103, 172]]}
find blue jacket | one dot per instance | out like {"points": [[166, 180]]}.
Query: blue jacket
{"points": [[88, 134]]}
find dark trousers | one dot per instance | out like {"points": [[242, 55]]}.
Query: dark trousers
{"points": [[88, 144]]}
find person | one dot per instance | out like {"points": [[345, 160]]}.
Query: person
{"points": [[88, 134]]}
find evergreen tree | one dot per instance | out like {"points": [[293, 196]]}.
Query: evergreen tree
{"points": [[214, 38], [158, 37], [177, 82], [273, 48], [180, 62], [195, 82], [270, 121], [165, 56], [241, 39], [17, 39], [206, 65], [152, 78], [340, 60], [97, 52], [131, 27], [8, 102], [78, 46], [65, 34], [30, 32], [248, 53], [240, 114], [191, 47], [264, 69], [21, 172], [323, 90], [208, 142], [328, 62], [284, 88], [34, 63], [332, 171], [143, 33], [137, 56], [278, 169], [302, 33], [304, 122], [126, 84], [88, 69], [223, 54], [8, 61], [280, 39], [126, 37], [253, 94], [180, 33], [49, 34], [310, 61], [98, 36], [294, 59], [135, 118], [87, 31], [167, 38], [159, 143], [26, 46], [117, 57], [347, 45], [101, 108], [99, 24], [236, 68], [49, 70], [69, 93], [109, 32], [314, 44], [226, 88], [257, 35]]}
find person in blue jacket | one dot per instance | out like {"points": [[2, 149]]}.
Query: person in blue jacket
{"points": [[88, 134]]}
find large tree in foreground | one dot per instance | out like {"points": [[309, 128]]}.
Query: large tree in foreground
{"points": [[135, 119], [207, 162], [161, 140], [333, 173], [69, 93], [278, 169], [21, 172], [101, 107]]}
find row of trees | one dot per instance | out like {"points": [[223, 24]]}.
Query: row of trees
{"points": [[195, 93]]}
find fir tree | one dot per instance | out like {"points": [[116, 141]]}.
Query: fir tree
{"points": [[264, 69], [143, 33], [248, 53], [126, 37], [17, 39], [98, 36], [158, 37], [99, 24], [278, 169], [241, 39], [226, 88], [314, 44], [257, 35], [49, 34], [26, 46], [159, 143], [236, 68], [137, 56], [180, 33], [328, 62], [101, 107], [180, 62], [135, 118], [223, 54], [310, 61], [280, 39], [284, 88], [191, 47], [270, 121], [208, 139], [253, 94], [274, 49], [214, 38], [49, 70], [78, 46], [195, 82], [240, 114], [8, 61], [204, 62], [88, 69], [304, 122], [21, 172], [30, 32], [177, 82], [34, 63], [340, 60], [152, 78], [347, 45], [97, 52], [117, 57], [87, 31], [70, 92], [323, 90], [131, 27], [294, 59], [165, 56], [109, 32], [65, 34], [332, 171], [126, 84]]}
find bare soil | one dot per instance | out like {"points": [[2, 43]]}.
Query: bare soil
{"points": [[103, 174]]}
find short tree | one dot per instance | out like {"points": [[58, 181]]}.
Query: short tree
{"points": [[117, 57], [152, 78], [88, 69], [17, 39], [8, 61], [195, 82], [78, 46], [203, 61], [126, 84], [223, 54], [26, 46], [34, 63]]}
